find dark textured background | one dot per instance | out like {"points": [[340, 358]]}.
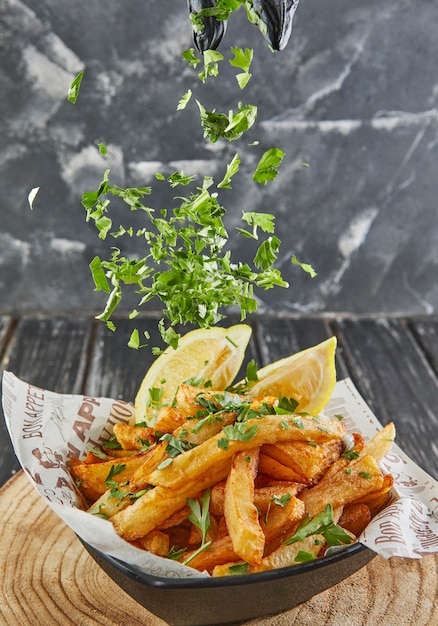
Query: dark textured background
{"points": [[354, 95]]}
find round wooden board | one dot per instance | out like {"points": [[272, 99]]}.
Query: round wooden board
{"points": [[49, 578]]}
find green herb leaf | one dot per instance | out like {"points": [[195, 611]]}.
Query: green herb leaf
{"points": [[231, 126], [114, 471], [237, 432], [199, 513], [232, 169], [364, 475], [304, 266], [238, 569], [74, 88], [184, 100], [351, 454], [303, 557], [322, 524], [211, 60], [190, 57], [242, 59], [286, 405], [267, 253], [267, 168], [175, 553], [265, 221]]}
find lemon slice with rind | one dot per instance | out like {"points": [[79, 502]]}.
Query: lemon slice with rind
{"points": [[206, 354], [308, 377]]}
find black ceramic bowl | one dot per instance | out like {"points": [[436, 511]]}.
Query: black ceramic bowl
{"points": [[199, 601]]}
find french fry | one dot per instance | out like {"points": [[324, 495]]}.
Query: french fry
{"points": [[264, 496], [217, 499], [286, 555], [188, 433], [378, 499], [363, 477], [306, 458], [155, 542], [278, 521], [345, 459], [355, 518], [186, 398], [140, 478], [381, 443], [273, 468], [134, 437], [109, 504], [169, 418], [240, 512], [157, 505], [220, 551], [179, 517], [92, 476], [218, 450]]}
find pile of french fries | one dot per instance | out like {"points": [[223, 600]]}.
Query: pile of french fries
{"points": [[254, 475]]}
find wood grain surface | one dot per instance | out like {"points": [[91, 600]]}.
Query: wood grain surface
{"points": [[48, 578]]}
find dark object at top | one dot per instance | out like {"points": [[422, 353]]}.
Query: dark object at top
{"points": [[275, 22], [210, 37]]}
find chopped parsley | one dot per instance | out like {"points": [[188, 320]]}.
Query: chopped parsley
{"points": [[351, 455], [303, 557], [279, 501], [240, 431], [250, 378], [200, 517], [322, 524], [238, 569], [186, 260]]}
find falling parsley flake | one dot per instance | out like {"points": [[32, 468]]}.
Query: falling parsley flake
{"points": [[74, 88]]}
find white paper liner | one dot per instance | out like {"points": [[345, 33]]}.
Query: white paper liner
{"points": [[47, 428]]}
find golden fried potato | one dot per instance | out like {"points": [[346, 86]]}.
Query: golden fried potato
{"points": [[361, 477], [220, 551], [92, 477], [134, 437], [218, 450], [154, 507], [355, 518], [240, 512], [169, 418], [307, 458], [271, 467], [155, 542], [381, 443]]}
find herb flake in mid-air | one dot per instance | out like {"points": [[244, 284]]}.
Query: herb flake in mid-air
{"points": [[74, 88]]}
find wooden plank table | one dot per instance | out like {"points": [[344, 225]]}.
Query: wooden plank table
{"points": [[393, 362]]}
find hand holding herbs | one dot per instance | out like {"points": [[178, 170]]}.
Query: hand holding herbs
{"points": [[209, 19]]}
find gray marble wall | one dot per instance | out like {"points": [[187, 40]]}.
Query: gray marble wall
{"points": [[354, 95]]}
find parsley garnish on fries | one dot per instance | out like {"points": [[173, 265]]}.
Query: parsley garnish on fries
{"points": [[322, 524]]}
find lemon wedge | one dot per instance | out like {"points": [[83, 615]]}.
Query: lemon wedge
{"points": [[210, 354], [308, 377]]}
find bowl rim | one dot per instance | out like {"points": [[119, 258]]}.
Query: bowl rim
{"points": [[167, 582]]}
